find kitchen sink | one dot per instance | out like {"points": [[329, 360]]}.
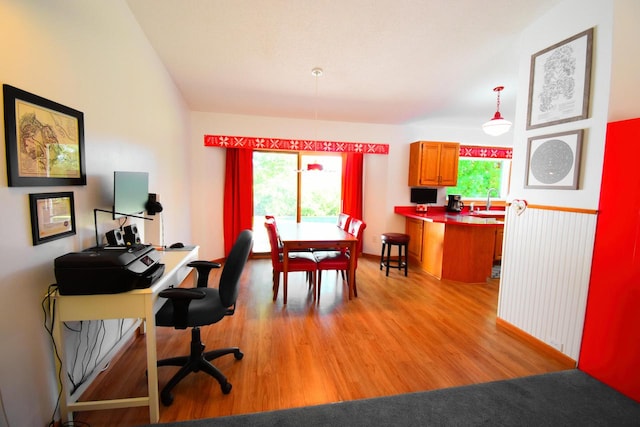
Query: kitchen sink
{"points": [[493, 213]]}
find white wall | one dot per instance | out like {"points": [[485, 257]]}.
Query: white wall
{"points": [[625, 66], [91, 56], [540, 291], [385, 176], [550, 29], [385, 180]]}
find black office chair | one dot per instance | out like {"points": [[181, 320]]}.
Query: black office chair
{"points": [[200, 306]]}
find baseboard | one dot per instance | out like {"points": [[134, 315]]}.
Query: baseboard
{"points": [[540, 345]]}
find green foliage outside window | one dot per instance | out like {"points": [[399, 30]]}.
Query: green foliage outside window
{"points": [[476, 177], [274, 183]]}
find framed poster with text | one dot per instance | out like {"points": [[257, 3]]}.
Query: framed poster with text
{"points": [[52, 216]]}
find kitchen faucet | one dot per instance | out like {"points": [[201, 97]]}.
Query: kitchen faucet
{"points": [[489, 198]]}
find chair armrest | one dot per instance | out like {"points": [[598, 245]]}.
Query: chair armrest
{"points": [[180, 299], [182, 294], [203, 268], [201, 263]]}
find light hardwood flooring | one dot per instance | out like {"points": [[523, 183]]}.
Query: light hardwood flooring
{"points": [[402, 334]]}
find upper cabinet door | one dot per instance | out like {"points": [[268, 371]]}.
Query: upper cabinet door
{"points": [[433, 163], [449, 155], [429, 164]]}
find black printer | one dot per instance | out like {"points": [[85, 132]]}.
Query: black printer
{"points": [[107, 270]]}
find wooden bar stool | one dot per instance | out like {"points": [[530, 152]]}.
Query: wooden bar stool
{"points": [[394, 239]]}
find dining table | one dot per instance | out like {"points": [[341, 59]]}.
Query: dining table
{"points": [[304, 236]]}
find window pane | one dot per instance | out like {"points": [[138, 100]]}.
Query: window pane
{"points": [[477, 176], [321, 201], [275, 180], [274, 184]]}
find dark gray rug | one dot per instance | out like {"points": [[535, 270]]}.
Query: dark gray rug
{"points": [[567, 398]]}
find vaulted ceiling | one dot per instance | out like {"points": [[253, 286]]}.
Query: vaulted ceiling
{"points": [[383, 61]]}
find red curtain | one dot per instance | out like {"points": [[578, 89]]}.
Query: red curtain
{"points": [[352, 184], [238, 195]]}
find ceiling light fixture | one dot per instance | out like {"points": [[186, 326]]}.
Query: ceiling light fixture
{"points": [[315, 166], [316, 72], [497, 125]]}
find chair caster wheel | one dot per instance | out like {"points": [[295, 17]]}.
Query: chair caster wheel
{"points": [[238, 355], [166, 398], [226, 388]]}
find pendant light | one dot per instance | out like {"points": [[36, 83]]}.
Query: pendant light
{"points": [[316, 72], [497, 125], [315, 166]]}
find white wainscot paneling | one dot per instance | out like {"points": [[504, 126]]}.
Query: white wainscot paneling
{"points": [[546, 266]]}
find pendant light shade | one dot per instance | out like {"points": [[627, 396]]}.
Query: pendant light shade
{"points": [[497, 125]]}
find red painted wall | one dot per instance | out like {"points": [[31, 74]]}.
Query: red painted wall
{"points": [[610, 348]]}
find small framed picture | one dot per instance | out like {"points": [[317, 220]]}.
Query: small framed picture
{"points": [[553, 161], [52, 216], [560, 82], [44, 141]]}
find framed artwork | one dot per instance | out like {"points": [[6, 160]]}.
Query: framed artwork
{"points": [[553, 161], [560, 82], [44, 141], [52, 216]]}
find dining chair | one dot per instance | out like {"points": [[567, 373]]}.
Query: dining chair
{"points": [[273, 219], [297, 261], [343, 223], [339, 260], [343, 220]]}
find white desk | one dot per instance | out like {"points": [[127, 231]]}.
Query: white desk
{"points": [[138, 303]]}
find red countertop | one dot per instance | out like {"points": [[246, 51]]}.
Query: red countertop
{"points": [[439, 214]]}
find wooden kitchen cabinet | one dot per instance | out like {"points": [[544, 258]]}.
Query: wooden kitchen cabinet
{"points": [[433, 163], [413, 227], [497, 252], [425, 244], [453, 250]]}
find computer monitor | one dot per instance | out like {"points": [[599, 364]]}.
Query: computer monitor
{"points": [[423, 196], [130, 193]]}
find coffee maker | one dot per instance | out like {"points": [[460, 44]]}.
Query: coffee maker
{"points": [[455, 203]]}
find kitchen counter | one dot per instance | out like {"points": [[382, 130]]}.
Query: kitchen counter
{"points": [[440, 215], [460, 247]]}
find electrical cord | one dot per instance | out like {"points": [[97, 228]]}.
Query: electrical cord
{"points": [[49, 303], [88, 363], [162, 241], [48, 307]]}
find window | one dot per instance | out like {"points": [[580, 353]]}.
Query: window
{"points": [[284, 188], [321, 191], [477, 175]]}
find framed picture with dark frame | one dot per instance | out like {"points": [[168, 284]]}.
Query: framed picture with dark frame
{"points": [[553, 161], [52, 216], [44, 141], [560, 82]]}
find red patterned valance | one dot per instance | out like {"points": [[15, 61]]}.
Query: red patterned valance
{"points": [[486, 152], [226, 141], [294, 144]]}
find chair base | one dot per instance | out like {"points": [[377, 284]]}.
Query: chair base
{"points": [[197, 360]]}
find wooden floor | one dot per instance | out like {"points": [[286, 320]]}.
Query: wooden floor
{"points": [[402, 334]]}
